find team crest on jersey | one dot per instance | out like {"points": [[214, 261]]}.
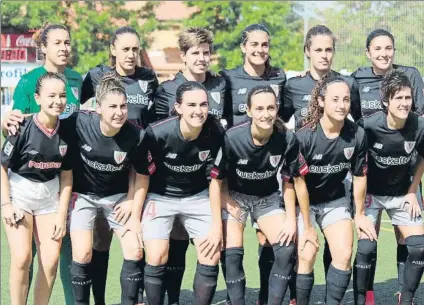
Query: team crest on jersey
{"points": [[75, 91], [143, 85], [216, 96], [276, 89], [63, 149], [203, 155], [348, 152], [409, 146], [119, 156], [274, 160]]}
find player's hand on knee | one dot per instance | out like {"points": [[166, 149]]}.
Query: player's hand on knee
{"points": [[412, 206], [309, 235], [11, 214], [213, 243], [288, 233], [59, 227], [364, 225], [123, 211], [12, 121], [134, 225]]}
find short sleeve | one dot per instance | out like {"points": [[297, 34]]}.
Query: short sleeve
{"points": [[301, 168], [418, 85], [69, 159], [420, 137], [228, 104], [359, 158], [162, 103], [142, 162], [294, 163], [21, 99], [9, 150], [355, 100], [87, 90], [221, 164]]}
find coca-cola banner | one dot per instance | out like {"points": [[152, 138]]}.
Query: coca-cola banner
{"points": [[17, 41]]}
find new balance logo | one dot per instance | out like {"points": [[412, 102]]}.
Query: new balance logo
{"points": [[317, 157], [366, 89], [242, 161], [33, 152], [86, 147], [306, 98], [378, 146], [171, 156], [242, 91]]}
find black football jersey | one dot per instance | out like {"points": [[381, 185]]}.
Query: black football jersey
{"points": [[177, 167], [369, 89], [239, 84], [390, 153], [140, 89], [329, 160], [101, 164], [166, 95], [297, 94], [252, 169], [36, 153]]}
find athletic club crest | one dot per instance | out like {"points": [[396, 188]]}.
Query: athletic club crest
{"points": [[216, 96], [75, 91], [276, 89], [143, 85], [348, 152], [119, 156], [203, 155], [274, 160], [409, 146], [63, 149]]}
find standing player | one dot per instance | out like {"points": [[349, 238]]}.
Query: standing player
{"points": [[380, 50], [34, 200], [250, 159], [140, 86], [195, 49], [181, 151], [256, 70], [54, 40], [332, 146], [393, 136]]}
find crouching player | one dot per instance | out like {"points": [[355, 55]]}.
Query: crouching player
{"points": [[38, 160], [393, 136]]}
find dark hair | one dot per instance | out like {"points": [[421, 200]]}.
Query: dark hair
{"points": [[120, 31], [44, 77], [315, 112], [110, 82], [279, 124], [245, 36], [316, 31], [185, 87], [376, 33], [40, 36], [392, 83]]}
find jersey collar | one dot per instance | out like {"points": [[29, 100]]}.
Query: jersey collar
{"points": [[43, 129]]}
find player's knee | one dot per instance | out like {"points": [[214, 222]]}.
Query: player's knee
{"points": [[342, 257], [21, 260], [415, 245], [283, 256], [308, 254], [210, 260], [367, 247], [83, 256], [157, 259], [50, 260]]}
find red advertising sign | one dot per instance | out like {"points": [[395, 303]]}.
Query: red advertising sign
{"points": [[17, 41], [14, 54]]}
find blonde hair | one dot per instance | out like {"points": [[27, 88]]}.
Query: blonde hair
{"points": [[194, 36], [110, 82]]}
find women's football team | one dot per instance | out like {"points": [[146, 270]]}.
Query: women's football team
{"points": [[194, 157]]}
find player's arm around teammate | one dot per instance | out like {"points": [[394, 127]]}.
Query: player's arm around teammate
{"points": [[393, 136], [331, 146], [249, 159], [38, 160], [55, 42]]}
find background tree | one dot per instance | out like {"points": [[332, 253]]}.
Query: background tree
{"points": [[228, 19], [352, 21], [92, 24]]}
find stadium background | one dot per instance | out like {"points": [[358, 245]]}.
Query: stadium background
{"points": [[159, 23]]}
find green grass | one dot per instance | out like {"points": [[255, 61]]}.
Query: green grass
{"points": [[385, 287]]}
